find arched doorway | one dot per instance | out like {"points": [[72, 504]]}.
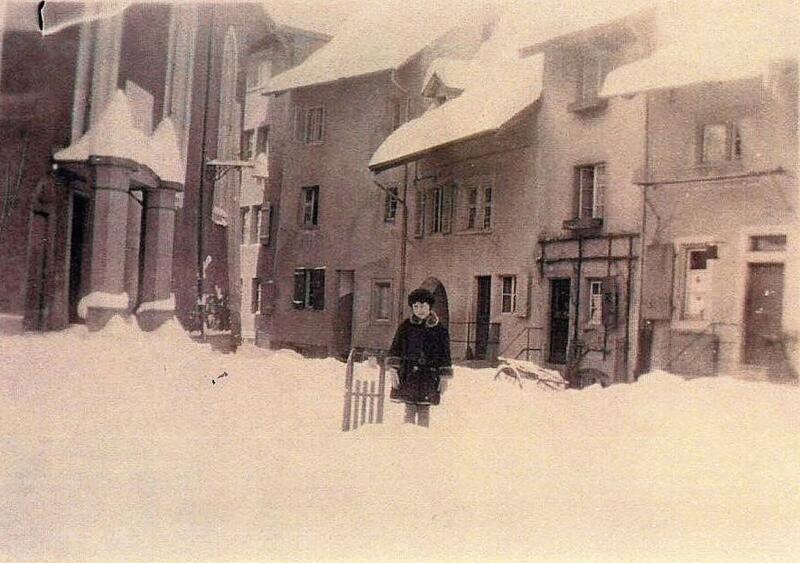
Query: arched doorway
{"points": [[441, 307]]}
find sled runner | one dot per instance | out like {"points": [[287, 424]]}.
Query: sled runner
{"points": [[521, 369], [364, 388]]}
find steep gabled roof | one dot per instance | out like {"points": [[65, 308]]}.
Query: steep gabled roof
{"points": [[383, 36], [712, 42], [540, 21], [493, 97]]}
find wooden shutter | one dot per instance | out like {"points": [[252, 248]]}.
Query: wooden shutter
{"points": [[266, 223], [599, 190], [524, 286], [299, 299], [318, 289], [610, 302], [297, 123], [419, 229], [447, 208], [657, 280]]}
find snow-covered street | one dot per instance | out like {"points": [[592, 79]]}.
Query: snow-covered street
{"points": [[116, 446]]}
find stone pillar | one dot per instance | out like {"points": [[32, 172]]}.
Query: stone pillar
{"points": [[157, 304], [108, 296]]}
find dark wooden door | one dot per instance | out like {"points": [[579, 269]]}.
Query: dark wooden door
{"points": [[763, 315], [344, 312], [77, 254], [559, 320], [483, 315]]}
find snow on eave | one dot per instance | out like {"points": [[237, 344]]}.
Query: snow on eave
{"points": [[484, 107], [116, 135], [555, 19], [167, 162], [383, 36], [735, 49]]}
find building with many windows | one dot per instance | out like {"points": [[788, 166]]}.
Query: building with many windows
{"points": [[277, 52], [338, 278]]}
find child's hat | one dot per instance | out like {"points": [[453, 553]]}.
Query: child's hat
{"points": [[421, 295]]}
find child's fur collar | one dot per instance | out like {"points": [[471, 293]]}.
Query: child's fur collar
{"points": [[430, 321]]}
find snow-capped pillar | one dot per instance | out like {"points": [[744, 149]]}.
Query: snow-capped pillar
{"points": [[157, 304], [109, 237]]}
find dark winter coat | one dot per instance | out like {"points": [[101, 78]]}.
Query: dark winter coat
{"points": [[420, 353]]}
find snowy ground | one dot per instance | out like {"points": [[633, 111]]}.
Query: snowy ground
{"points": [[116, 446]]}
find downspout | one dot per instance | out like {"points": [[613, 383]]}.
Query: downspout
{"points": [[404, 221], [202, 186], [642, 248]]}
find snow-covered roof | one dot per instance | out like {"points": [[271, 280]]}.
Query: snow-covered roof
{"points": [[382, 36], [318, 16], [700, 48], [166, 160], [543, 20], [491, 99], [116, 135]]}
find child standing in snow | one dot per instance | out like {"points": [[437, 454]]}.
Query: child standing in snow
{"points": [[418, 363]]}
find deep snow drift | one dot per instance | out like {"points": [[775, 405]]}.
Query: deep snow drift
{"points": [[117, 446]]}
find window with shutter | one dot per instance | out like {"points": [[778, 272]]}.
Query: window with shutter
{"points": [[590, 183]]}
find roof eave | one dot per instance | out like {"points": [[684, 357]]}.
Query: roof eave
{"points": [[268, 92], [410, 157]]}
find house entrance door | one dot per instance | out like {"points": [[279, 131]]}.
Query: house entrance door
{"points": [[344, 312], [763, 315], [78, 262], [559, 320], [483, 314]]}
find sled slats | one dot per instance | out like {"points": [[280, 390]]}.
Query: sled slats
{"points": [[363, 398]]}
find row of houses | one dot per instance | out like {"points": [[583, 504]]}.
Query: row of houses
{"points": [[613, 189], [608, 188]]}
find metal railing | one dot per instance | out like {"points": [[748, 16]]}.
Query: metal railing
{"points": [[529, 342], [467, 333]]}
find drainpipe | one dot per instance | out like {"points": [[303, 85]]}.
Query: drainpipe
{"points": [[403, 245], [642, 247], [202, 186], [403, 202]]}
